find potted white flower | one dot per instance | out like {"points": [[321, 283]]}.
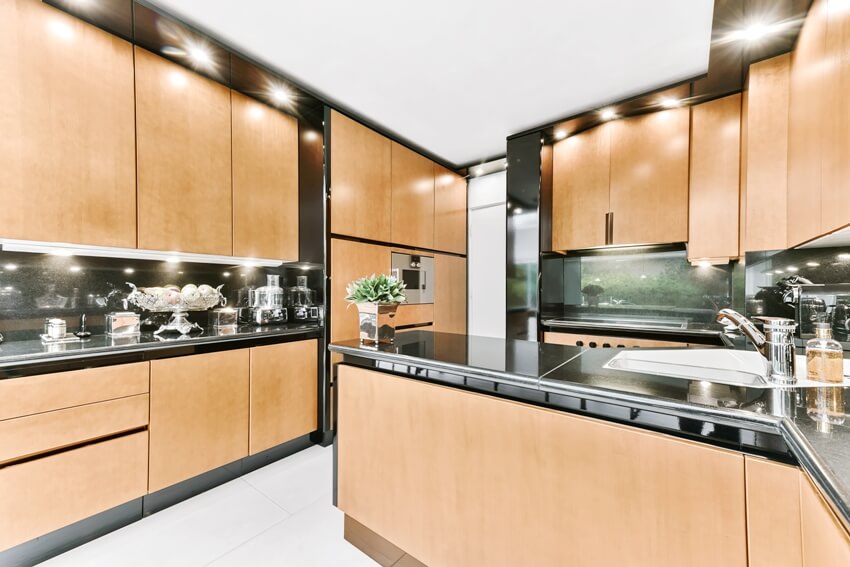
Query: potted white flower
{"points": [[377, 298]]}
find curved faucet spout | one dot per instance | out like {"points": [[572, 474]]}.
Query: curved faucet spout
{"points": [[732, 318]]}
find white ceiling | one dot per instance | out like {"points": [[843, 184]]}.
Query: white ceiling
{"points": [[458, 77]]}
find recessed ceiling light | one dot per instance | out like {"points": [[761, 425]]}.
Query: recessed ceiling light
{"points": [[792, 269], [479, 171], [11, 267], [756, 31], [200, 56], [812, 264], [129, 271], [607, 114], [75, 269], [779, 272], [518, 211], [226, 274], [173, 260], [61, 252], [670, 102], [280, 95], [560, 134], [249, 264]]}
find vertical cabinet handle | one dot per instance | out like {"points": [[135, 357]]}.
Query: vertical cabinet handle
{"points": [[609, 228]]}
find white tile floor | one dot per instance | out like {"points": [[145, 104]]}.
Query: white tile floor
{"points": [[278, 515]]}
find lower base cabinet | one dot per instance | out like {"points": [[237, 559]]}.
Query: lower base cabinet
{"points": [[468, 479], [199, 415], [825, 542], [284, 393], [45, 494]]}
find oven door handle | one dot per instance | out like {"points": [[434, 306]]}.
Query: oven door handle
{"points": [[424, 279]]}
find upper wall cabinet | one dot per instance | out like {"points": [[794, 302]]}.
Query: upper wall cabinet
{"points": [[715, 179], [184, 152], [360, 180], [764, 155], [265, 181], [67, 150], [449, 211], [649, 178], [581, 179], [412, 198]]}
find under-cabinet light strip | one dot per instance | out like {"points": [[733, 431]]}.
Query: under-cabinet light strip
{"points": [[64, 249]]}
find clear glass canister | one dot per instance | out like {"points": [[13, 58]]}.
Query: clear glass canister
{"points": [[269, 296], [301, 295]]}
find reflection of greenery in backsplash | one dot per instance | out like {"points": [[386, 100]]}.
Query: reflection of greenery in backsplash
{"points": [[655, 279]]}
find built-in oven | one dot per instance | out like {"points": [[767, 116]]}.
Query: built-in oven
{"points": [[417, 272]]}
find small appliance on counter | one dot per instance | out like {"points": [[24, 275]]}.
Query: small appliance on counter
{"points": [[122, 323], [224, 318], [266, 304], [301, 302]]}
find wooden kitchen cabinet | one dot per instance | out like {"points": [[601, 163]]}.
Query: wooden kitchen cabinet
{"points": [[649, 177], [764, 193], [714, 195], [67, 154], [773, 514], [284, 393], [412, 198], [825, 541], [581, 170], [265, 180], [351, 261], [183, 143], [806, 126], [45, 494], [361, 190], [450, 294], [198, 415], [450, 211], [597, 493]]}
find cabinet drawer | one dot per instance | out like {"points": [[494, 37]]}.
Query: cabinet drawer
{"points": [[27, 436], [49, 392], [414, 314], [46, 494]]}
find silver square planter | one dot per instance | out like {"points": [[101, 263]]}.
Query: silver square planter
{"points": [[377, 322]]}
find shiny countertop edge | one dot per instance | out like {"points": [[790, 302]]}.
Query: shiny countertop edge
{"points": [[836, 494], [106, 352], [496, 376]]}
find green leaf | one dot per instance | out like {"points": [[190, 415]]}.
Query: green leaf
{"points": [[379, 288]]}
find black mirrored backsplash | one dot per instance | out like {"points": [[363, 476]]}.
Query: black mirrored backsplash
{"points": [[37, 286], [637, 285], [822, 276]]}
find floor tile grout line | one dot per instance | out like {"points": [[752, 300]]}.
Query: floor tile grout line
{"points": [[252, 538]]}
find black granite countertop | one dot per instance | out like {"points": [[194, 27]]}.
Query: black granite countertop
{"points": [[767, 421], [26, 357]]}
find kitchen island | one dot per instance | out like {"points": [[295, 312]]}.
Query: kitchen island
{"points": [[460, 450]]}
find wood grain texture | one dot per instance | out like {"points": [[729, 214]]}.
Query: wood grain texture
{"points": [[49, 392], [414, 314], [34, 434], [649, 177], [184, 162], [67, 150], [825, 542], [412, 198], [284, 393], [601, 340], [773, 514], [50, 493], [581, 176], [265, 180], [450, 294], [361, 190], [464, 480], [835, 186], [350, 261], [714, 193], [450, 211], [766, 155], [806, 121], [198, 416]]}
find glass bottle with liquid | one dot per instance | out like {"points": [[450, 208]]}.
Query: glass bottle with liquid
{"points": [[825, 363]]}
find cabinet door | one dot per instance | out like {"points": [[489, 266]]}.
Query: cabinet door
{"points": [[773, 514], [412, 198], [649, 177], [764, 189], [67, 150], [581, 168], [198, 416], [806, 126], [361, 193], [284, 393], [183, 147], [450, 294], [449, 211], [825, 542], [265, 181], [351, 261], [715, 179], [835, 189]]}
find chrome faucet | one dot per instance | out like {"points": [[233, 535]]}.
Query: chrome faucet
{"points": [[776, 344]]}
